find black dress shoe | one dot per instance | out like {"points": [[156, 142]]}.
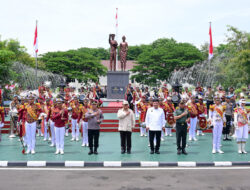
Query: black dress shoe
{"points": [[228, 139], [157, 152], [128, 151], [179, 152], [95, 152], [152, 152], [90, 152], [184, 152], [123, 151]]}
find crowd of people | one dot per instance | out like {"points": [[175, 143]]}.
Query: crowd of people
{"points": [[159, 111]]}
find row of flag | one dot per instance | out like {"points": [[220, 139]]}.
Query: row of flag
{"points": [[210, 54]]}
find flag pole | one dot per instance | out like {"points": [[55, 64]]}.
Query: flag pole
{"points": [[36, 60], [116, 25]]}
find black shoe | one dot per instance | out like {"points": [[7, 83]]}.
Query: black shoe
{"points": [[184, 152], [123, 151], [95, 152], [157, 152], [152, 152], [90, 152], [128, 151], [228, 139], [179, 152]]}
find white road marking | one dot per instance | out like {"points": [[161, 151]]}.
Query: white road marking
{"points": [[126, 169]]}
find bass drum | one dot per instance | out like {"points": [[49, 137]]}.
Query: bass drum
{"points": [[202, 123], [170, 120]]}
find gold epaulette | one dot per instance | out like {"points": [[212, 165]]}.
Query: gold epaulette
{"points": [[1, 108], [211, 107]]}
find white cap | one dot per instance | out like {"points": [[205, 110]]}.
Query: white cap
{"points": [[242, 101], [125, 102]]}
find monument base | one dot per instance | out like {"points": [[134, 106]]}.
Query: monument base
{"points": [[117, 82]]}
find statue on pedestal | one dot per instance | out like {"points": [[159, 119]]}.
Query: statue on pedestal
{"points": [[123, 53], [113, 46]]}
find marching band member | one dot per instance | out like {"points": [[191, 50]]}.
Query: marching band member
{"points": [[209, 95], [84, 122], [201, 116], [1, 121], [33, 111], [163, 106], [193, 110], [60, 117], [22, 117], [169, 117], [51, 122], [142, 108], [47, 130], [40, 119], [75, 108], [13, 115], [66, 106], [229, 114], [241, 121], [217, 120]]}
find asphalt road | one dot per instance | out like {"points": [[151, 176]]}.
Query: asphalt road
{"points": [[192, 179]]}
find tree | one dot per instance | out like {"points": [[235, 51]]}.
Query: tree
{"points": [[74, 64], [6, 73], [160, 58], [234, 67]]}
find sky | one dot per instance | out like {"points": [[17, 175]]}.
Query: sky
{"points": [[71, 24]]}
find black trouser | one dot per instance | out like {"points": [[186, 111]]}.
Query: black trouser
{"points": [[152, 135], [93, 135], [181, 135], [226, 130], [125, 140], [208, 105]]}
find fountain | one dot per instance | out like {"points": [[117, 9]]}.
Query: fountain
{"points": [[27, 76], [202, 72]]}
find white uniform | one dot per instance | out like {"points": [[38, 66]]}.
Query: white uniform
{"points": [[217, 121], [241, 120]]}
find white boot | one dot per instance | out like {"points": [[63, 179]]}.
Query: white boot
{"points": [[239, 148], [243, 145]]}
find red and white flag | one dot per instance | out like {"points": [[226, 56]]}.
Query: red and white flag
{"points": [[210, 55], [36, 41], [116, 18]]}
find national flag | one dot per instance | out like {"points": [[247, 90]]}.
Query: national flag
{"points": [[36, 41], [116, 18], [210, 55]]}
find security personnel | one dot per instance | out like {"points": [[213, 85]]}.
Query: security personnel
{"points": [[181, 117]]}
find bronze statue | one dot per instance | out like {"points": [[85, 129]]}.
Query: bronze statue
{"points": [[113, 47], [123, 53]]}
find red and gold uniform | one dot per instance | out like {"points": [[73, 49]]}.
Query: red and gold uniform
{"points": [[84, 123], [75, 112], [193, 111], [202, 122], [1, 121], [142, 108], [241, 122]]}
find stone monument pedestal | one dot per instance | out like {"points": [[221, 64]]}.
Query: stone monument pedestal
{"points": [[117, 82]]}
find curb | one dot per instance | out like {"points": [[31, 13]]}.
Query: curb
{"points": [[119, 164]]}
